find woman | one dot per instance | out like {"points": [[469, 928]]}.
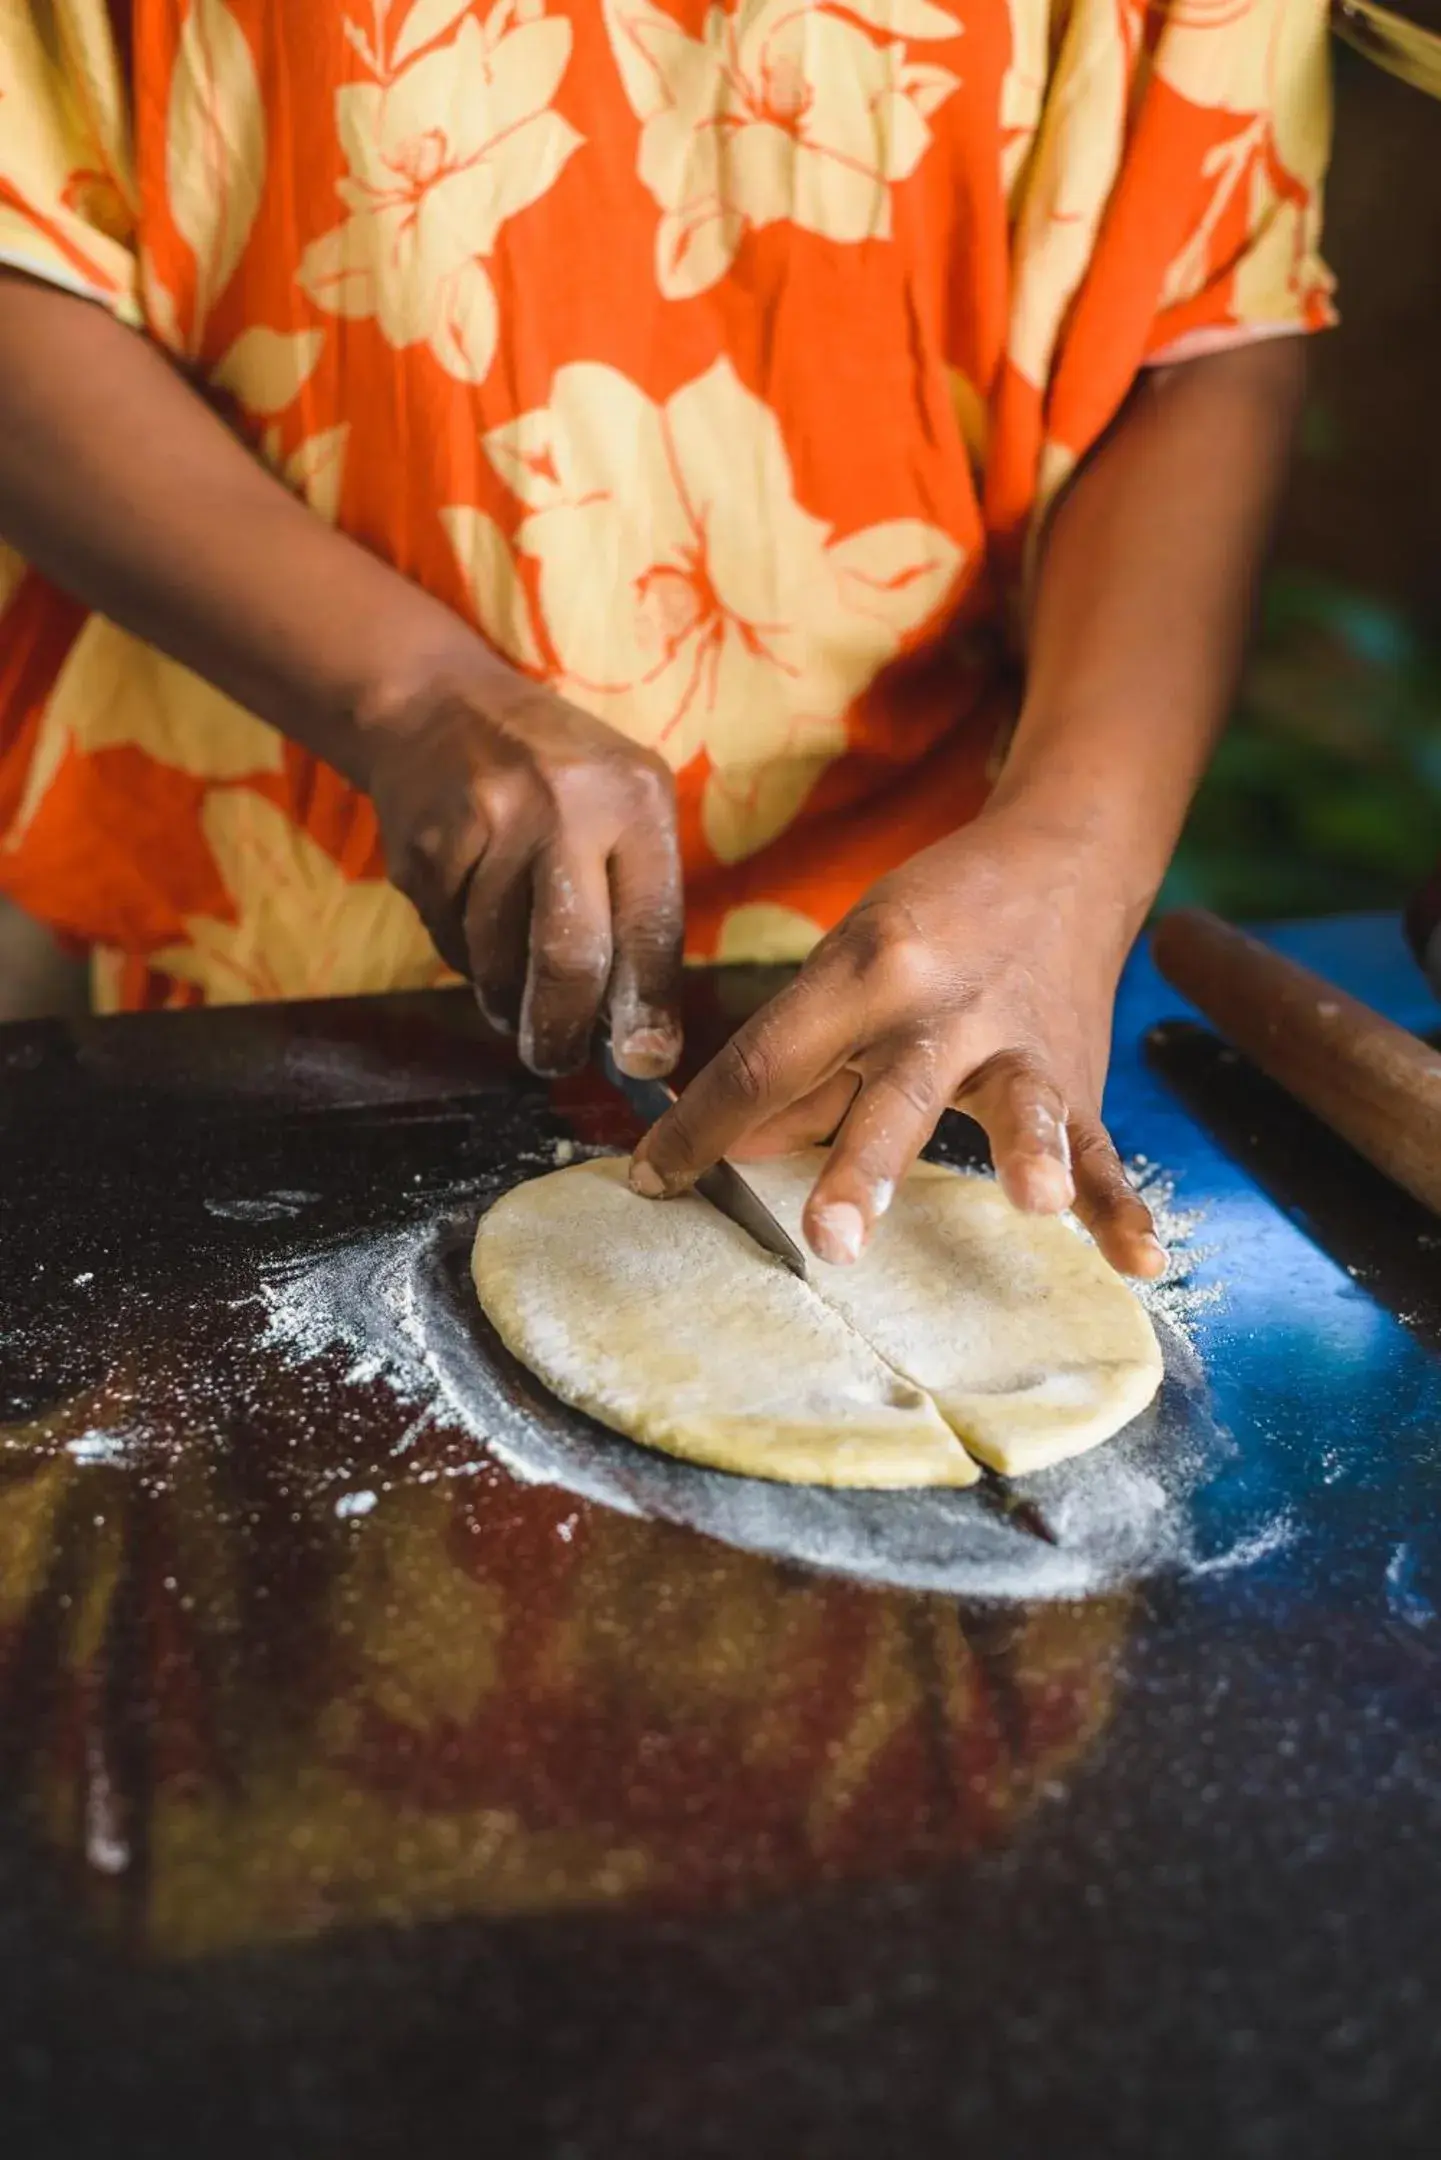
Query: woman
{"points": [[686, 406]]}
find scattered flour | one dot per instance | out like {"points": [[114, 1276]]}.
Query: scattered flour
{"points": [[398, 1307], [100, 1447], [1177, 1298], [1273, 1537]]}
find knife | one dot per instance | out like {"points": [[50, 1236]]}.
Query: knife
{"points": [[722, 1184]]}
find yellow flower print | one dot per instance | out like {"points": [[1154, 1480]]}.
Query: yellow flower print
{"points": [[1069, 170], [692, 612], [215, 150], [782, 109], [1270, 70], [115, 693], [763, 933], [441, 153], [301, 928], [1023, 89]]}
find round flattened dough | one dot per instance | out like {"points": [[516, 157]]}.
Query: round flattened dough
{"points": [[965, 1322], [1028, 1342], [664, 1321]]}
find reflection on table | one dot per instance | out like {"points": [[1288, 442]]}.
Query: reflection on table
{"points": [[242, 1711]]}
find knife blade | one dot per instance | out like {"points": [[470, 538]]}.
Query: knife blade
{"points": [[1003, 1499], [722, 1185]]}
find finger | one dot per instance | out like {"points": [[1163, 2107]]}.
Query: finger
{"points": [[890, 1122], [785, 1051], [496, 922], [569, 959], [814, 1118], [1024, 1115], [1109, 1205], [648, 914]]}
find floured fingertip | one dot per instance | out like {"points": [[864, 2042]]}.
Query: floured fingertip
{"points": [[647, 1053], [837, 1232], [645, 1180]]}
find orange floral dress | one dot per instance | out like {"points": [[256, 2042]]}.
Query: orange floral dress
{"points": [[716, 361]]}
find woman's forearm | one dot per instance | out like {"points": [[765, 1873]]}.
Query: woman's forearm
{"points": [[537, 844], [119, 482], [1143, 602]]}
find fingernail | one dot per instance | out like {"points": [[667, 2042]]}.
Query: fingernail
{"points": [[647, 1051], [647, 1182], [1156, 1256], [493, 1019], [838, 1232]]}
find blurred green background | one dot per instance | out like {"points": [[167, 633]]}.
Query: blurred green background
{"points": [[1326, 793]]}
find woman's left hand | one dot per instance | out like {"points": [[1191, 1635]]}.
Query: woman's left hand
{"points": [[981, 974]]}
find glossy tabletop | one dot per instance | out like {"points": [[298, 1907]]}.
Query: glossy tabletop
{"points": [[356, 1797]]}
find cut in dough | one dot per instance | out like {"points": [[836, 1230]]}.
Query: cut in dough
{"points": [[1028, 1342], [964, 1318], [665, 1321]]}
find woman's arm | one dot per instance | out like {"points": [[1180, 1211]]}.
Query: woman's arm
{"points": [[984, 971], [122, 485], [1147, 584], [538, 845]]}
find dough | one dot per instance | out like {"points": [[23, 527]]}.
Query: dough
{"points": [[663, 1320], [965, 1322], [1028, 1342]]}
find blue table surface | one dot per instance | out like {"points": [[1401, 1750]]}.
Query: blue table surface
{"points": [[1335, 1399]]}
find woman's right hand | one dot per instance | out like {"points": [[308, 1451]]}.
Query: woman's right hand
{"points": [[539, 847]]}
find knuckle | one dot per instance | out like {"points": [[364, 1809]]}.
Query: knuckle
{"points": [[567, 973], [744, 1070], [652, 783], [1037, 1111], [503, 798], [1097, 1162], [1090, 1141], [1015, 1076], [907, 972], [919, 1090], [652, 946], [883, 944], [562, 793], [1024, 1073], [673, 1143]]}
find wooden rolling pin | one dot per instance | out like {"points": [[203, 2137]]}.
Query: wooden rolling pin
{"points": [[1369, 1080]]}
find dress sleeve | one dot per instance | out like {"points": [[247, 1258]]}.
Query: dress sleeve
{"points": [[1169, 206], [67, 189], [1247, 97]]}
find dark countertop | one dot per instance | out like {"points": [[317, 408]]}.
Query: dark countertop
{"points": [[355, 1798]]}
